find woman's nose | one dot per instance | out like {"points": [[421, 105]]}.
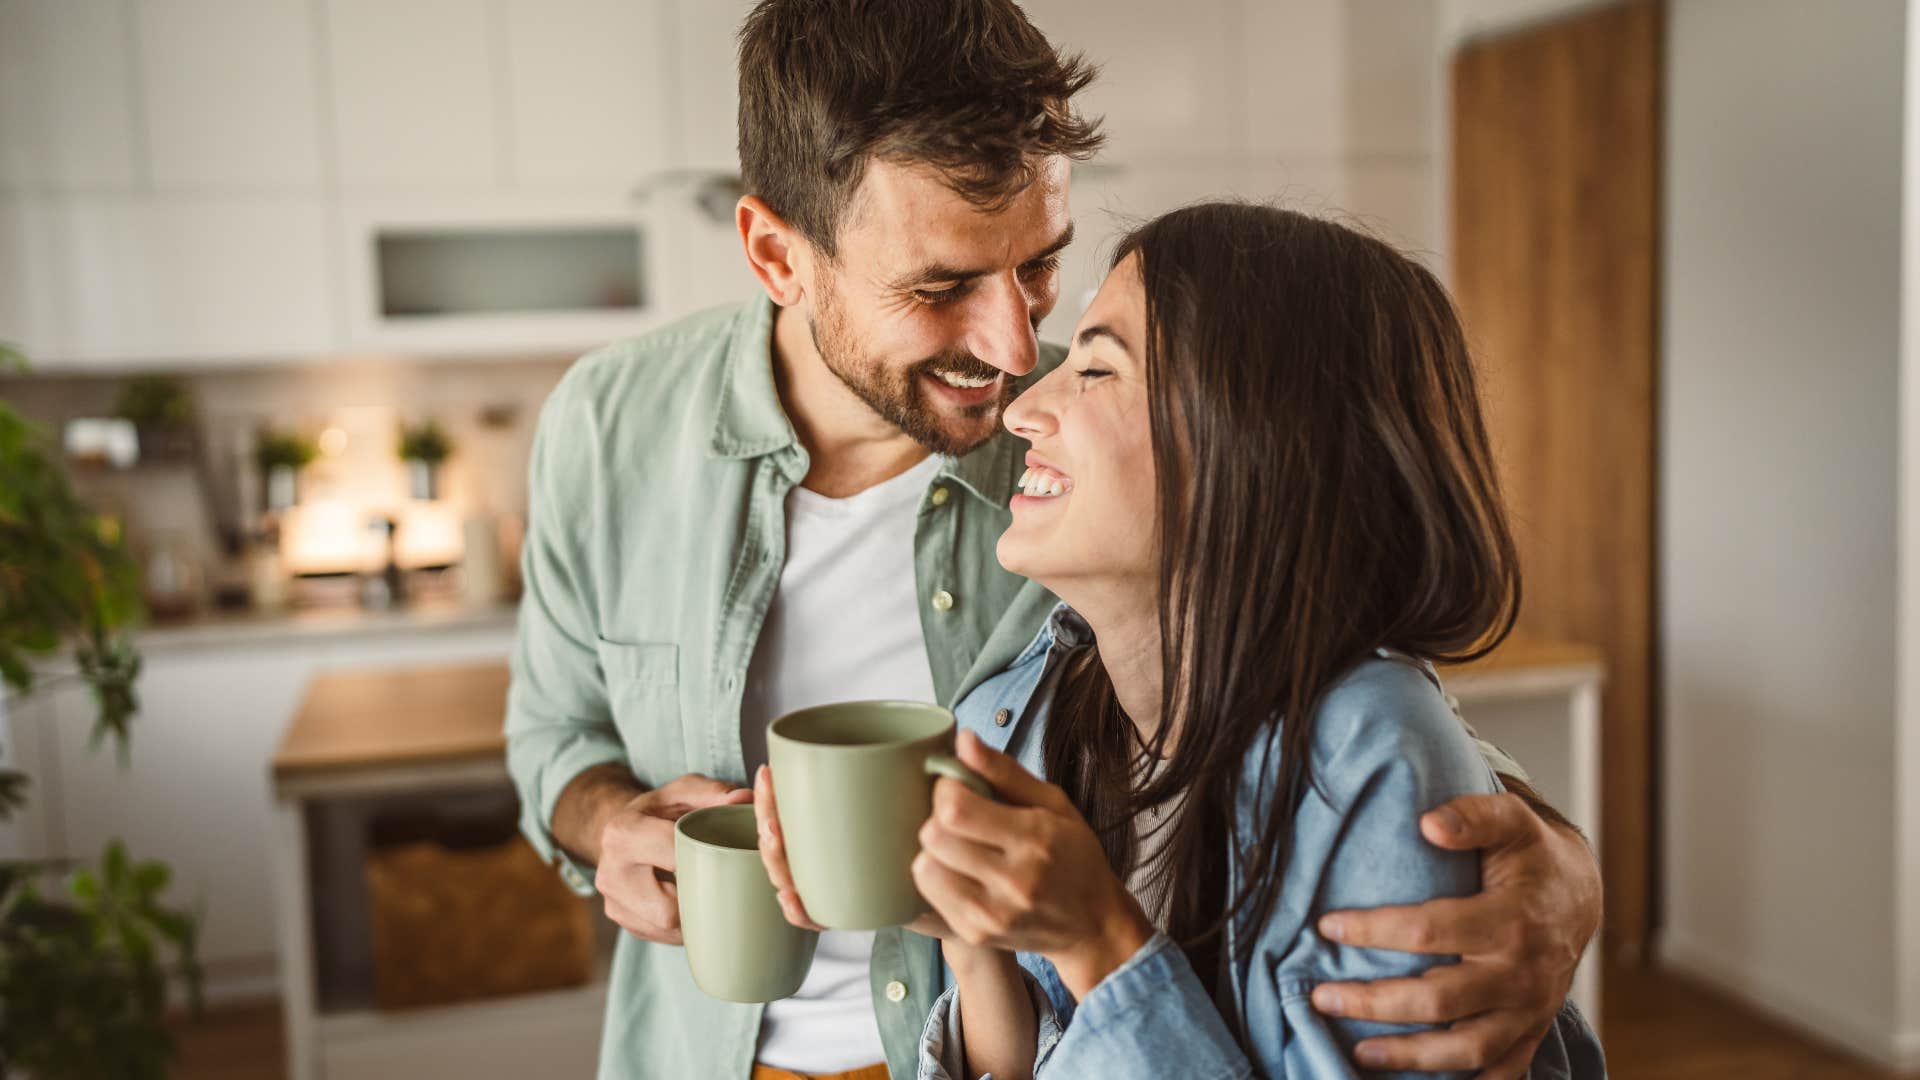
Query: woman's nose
{"points": [[1030, 416]]}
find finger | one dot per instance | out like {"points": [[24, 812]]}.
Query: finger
{"points": [[1518, 1061], [694, 791], [1471, 822], [981, 862], [1464, 925], [958, 810], [1471, 1044], [795, 911], [1009, 779], [773, 848], [956, 898], [652, 914], [1441, 996]]}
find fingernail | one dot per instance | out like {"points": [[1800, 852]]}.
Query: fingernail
{"points": [[1373, 1057], [1449, 821], [1326, 999], [1331, 927]]}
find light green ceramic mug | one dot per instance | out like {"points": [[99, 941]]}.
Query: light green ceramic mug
{"points": [[739, 946], [854, 782]]}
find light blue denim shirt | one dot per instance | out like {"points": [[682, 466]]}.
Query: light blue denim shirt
{"points": [[1387, 746]]}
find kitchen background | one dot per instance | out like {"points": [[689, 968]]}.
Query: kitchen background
{"points": [[294, 276]]}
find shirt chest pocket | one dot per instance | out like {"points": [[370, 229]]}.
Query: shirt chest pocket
{"points": [[643, 689]]}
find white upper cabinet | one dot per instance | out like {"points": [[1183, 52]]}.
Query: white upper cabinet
{"points": [[148, 279], [1162, 87], [415, 92], [66, 99], [229, 89], [586, 98], [28, 318], [707, 82], [1340, 79]]}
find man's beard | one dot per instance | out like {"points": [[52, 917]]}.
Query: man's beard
{"points": [[897, 394]]}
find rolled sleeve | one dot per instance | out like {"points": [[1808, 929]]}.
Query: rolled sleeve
{"points": [[943, 1053], [558, 722], [1147, 1012]]}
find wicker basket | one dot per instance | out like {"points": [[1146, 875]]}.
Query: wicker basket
{"points": [[453, 925]]}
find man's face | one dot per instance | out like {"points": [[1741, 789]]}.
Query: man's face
{"points": [[929, 310]]}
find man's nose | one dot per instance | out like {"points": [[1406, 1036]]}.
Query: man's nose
{"points": [[1005, 336]]}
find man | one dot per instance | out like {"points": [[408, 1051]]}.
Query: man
{"points": [[796, 501]]}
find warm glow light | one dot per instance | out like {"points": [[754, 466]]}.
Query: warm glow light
{"points": [[430, 535], [330, 536], [333, 441]]}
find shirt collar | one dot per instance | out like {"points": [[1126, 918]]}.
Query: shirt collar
{"points": [[748, 420]]}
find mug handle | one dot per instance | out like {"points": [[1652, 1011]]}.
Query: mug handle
{"points": [[949, 766]]}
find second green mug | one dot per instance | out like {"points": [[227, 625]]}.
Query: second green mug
{"points": [[854, 783]]}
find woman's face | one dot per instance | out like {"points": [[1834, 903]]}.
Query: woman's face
{"points": [[1085, 518]]}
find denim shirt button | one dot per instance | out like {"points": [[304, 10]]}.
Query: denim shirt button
{"points": [[896, 991], [1001, 717]]}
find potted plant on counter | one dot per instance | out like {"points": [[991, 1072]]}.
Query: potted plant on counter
{"points": [[87, 952], [424, 447], [281, 455]]}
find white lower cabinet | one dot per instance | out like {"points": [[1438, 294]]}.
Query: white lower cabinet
{"points": [[195, 791]]}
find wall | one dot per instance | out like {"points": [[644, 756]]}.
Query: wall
{"points": [[1908, 737], [1780, 436]]}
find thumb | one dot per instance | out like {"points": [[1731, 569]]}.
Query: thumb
{"points": [[1475, 822], [694, 791], [1008, 778]]}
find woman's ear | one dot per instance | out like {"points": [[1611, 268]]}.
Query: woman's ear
{"points": [[774, 250]]}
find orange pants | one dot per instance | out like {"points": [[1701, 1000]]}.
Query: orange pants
{"points": [[870, 1072]]}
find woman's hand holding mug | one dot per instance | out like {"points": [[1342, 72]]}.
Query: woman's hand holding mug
{"points": [[1025, 873]]}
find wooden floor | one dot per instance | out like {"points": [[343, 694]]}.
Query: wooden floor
{"points": [[1658, 1028]]}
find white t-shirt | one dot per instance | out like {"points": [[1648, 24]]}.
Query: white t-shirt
{"points": [[844, 625]]}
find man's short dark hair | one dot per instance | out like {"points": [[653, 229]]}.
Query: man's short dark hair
{"points": [[969, 87]]}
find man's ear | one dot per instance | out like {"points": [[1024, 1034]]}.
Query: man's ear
{"points": [[779, 256]]}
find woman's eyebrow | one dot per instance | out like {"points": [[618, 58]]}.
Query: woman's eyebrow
{"points": [[1102, 330]]}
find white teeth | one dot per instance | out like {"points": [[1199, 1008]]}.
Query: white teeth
{"points": [[1042, 486], [961, 383]]}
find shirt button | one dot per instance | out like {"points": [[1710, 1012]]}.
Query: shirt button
{"points": [[939, 496], [727, 684], [896, 991], [1001, 716], [943, 601]]}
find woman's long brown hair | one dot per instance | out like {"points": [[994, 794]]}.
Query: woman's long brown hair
{"points": [[1325, 488]]}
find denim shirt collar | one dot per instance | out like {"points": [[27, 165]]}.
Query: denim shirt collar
{"points": [[749, 420]]}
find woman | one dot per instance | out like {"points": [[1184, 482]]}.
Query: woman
{"points": [[1261, 485]]}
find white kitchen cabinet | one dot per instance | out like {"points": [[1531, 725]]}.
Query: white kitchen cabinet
{"points": [[587, 94], [66, 96], [1163, 89], [196, 790], [229, 90], [706, 81], [416, 93], [29, 318], [201, 278]]}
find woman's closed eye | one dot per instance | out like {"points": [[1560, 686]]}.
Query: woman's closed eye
{"points": [[1093, 373]]}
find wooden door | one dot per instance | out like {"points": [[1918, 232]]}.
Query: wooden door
{"points": [[1556, 149]]}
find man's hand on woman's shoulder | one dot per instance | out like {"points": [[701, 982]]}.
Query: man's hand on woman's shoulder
{"points": [[1519, 941]]}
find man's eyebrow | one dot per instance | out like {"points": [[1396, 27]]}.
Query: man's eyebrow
{"points": [[940, 274], [1102, 330]]}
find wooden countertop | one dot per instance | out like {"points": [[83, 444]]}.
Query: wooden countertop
{"points": [[368, 719]]}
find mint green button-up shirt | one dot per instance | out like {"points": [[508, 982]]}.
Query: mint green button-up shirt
{"points": [[655, 539]]}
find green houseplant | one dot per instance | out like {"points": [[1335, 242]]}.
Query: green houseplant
{"points": [[86, 951], [424, 447]]}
